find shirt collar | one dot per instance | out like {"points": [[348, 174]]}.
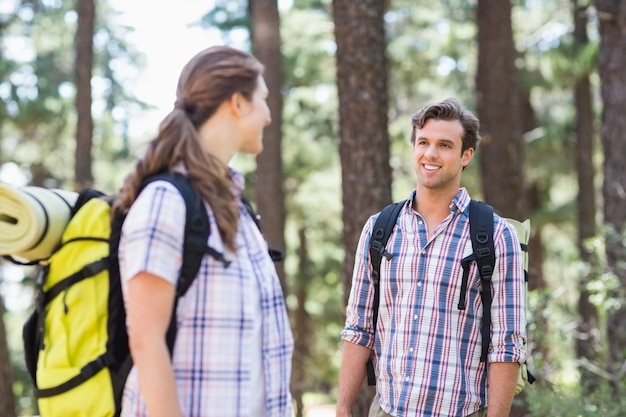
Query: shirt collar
{"points": [[460, 201], [458, 204], [238, 179]]}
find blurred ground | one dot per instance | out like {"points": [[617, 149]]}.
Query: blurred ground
{"points": [[327, 410]]}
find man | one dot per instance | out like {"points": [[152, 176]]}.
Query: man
{"points": [[426, 351]]}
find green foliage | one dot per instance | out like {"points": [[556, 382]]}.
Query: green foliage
{"points": [[572, 401], [431, 51], [313, 184], [37, 92], [232, 18]]}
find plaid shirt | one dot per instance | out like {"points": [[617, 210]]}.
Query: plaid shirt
{"points": [[213, 350], [427, 350]]}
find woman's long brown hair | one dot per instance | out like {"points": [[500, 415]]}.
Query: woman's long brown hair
{"points": [[210, 78]]}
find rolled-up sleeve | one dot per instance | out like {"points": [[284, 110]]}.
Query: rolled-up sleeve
{"points": [[358, 325], [508, 308]]}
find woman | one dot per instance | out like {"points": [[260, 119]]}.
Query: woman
{"points": [[232, 354]]}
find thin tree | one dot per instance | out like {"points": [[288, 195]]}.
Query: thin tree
{"points": [[270, 196], [587, 329], [83, 69], [363, 135], [612, 18]]}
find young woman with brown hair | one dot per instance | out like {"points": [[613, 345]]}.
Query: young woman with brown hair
{"points": [[233, 348]]}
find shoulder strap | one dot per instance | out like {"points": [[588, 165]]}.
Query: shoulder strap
{"points": [[383, 226], [481, 233], [275, 254], [197, 230]]}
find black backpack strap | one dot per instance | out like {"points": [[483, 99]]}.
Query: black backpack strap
{"points": [[481, 234], [275, 254], [197, 230], [106, 360], [383, 226]]}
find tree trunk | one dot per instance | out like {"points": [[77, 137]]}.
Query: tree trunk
{"points": [[303, 332], [587, 329], [270, 196], [612, 18], [364, 139], [83, 67], [7, 399], [499, 109], [501, 113]]}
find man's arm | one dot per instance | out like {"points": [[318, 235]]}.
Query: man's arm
{"points": [[502, 382], [351, 376]]}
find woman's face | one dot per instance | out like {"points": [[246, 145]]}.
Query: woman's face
{"points": [[255, 116]]}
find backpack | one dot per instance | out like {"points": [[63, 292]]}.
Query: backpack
{"points": [[481, 234], [75, 341]]}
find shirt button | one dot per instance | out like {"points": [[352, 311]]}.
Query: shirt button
{"points": [[415, 317], [420, 222], [407, 379], [419, 283], [411, 350]]}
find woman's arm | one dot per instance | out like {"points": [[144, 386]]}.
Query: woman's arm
{"points": [[149, 303]]}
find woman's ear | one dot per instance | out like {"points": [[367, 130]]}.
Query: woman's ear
{"points": [[234, 104]]}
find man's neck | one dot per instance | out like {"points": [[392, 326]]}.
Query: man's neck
{"points": [[433, 205], [430, 201]]}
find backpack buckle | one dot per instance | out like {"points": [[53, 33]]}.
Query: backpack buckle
{"points": [[485, 272]]}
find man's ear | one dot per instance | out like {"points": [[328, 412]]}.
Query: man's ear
{"points": [[467, 156]]}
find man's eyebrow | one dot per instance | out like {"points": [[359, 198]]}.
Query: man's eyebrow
{"points": [[446, 140]]}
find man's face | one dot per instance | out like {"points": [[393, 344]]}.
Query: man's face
{"points": [[437, 156]]}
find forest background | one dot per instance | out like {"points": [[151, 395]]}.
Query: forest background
{"points": [[547, 79]]}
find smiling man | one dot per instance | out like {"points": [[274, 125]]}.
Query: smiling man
{"points": [[426, 351]]}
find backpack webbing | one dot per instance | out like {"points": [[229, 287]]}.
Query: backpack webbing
{"points": [[481, 231], [116, 356], [197, 231], [481, 234], [383, 226]]}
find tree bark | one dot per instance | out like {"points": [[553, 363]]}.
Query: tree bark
{"points": [[612, 17], [501, 112], [270, 195], [499, 109], [587, 328], [364, 139], [303, 331], [83, 68]]}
